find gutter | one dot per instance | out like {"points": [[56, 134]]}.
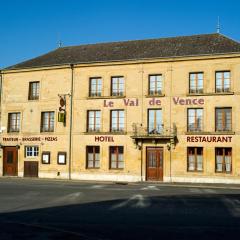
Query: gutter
{"points": [[126, 61]]}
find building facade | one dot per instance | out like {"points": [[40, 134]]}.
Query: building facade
{"points": [[151, 110]]}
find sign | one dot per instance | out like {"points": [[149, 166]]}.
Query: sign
{"points": [[104, 139], [29, 139], [134, 102], [209, 139], [188, 101], [131, 102]]}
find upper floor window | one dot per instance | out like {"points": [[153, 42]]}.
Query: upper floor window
{"points": [[116, 157], [47, 122], [13, 122], [223, 81], [195, 158], [95, 87], [223, 160], [155, 85], [196, 82], [94, 121], [195, 119], [117, 86], [155, 124], [223, 119], [93, 156], [33, 93], [117, 120], [31, 151]]}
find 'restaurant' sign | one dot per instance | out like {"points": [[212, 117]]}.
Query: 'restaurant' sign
{"points": [[215, 139]]}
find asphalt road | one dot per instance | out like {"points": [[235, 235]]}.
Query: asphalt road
{"points": [[43, 209]]}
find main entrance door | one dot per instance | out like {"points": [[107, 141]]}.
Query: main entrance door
{"points": [[10, 161], [155, 164]]}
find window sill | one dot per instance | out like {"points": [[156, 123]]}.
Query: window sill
{"points": [[155, 95], [114, 169], [33, 100], [194, 171], [211, 133], [210, 94], [106, 97], [92, 168], [105, 133], [12, 132]]}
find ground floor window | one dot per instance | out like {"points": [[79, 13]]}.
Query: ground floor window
{"points": [[223, 160], [93, 156], [31, 151], [116, 157], [195, 158]]}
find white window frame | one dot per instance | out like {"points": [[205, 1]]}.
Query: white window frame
{"points": [[31, 150]]}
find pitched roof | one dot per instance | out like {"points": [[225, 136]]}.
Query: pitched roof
{"points": [[204, 44]]}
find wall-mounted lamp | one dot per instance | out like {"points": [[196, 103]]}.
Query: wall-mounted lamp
{"points": [[168, 147], [17, 146]]}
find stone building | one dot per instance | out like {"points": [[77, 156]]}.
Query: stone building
{"points": [[147, 110]]}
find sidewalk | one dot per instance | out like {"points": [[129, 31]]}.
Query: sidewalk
{"points": [[144, 183]]}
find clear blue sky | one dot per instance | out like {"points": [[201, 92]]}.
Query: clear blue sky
{"points": [[29, 28]]}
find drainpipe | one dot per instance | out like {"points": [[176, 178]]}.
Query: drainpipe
{"points": [[1, 81], [171, 124], [70, 125]]}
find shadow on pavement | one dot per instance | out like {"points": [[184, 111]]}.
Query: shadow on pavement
{"points": [[165, 217]]}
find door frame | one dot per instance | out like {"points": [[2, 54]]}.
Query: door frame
{"points": [[3, 161], [146, 167]]}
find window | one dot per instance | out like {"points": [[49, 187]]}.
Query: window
{"points": [[117, 86], [47, 122], [223, 119], [155, 84], [93, 156], [13, 122], [116, 157], [31, 151], [196, 83], [223, 160], [45, 157], [62, 158], [195, 158], [155, 125], [33, 93], [223, 81], [94, 121], [117, 121], [95, 87], [195, 119]]}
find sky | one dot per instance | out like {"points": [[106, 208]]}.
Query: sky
{"points": [[29, 28]]}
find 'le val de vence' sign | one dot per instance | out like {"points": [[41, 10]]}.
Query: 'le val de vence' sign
{"points": [[134, 102]]}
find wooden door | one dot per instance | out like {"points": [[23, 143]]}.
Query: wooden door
{"points": [[10, 161], [155, 164], [30, 169]]}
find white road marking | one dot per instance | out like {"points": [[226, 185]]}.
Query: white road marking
{"points": [[69, 198], [195, 190], [209, 191], [97, 186], [151, 187], [233, 206], [136, 201]]}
